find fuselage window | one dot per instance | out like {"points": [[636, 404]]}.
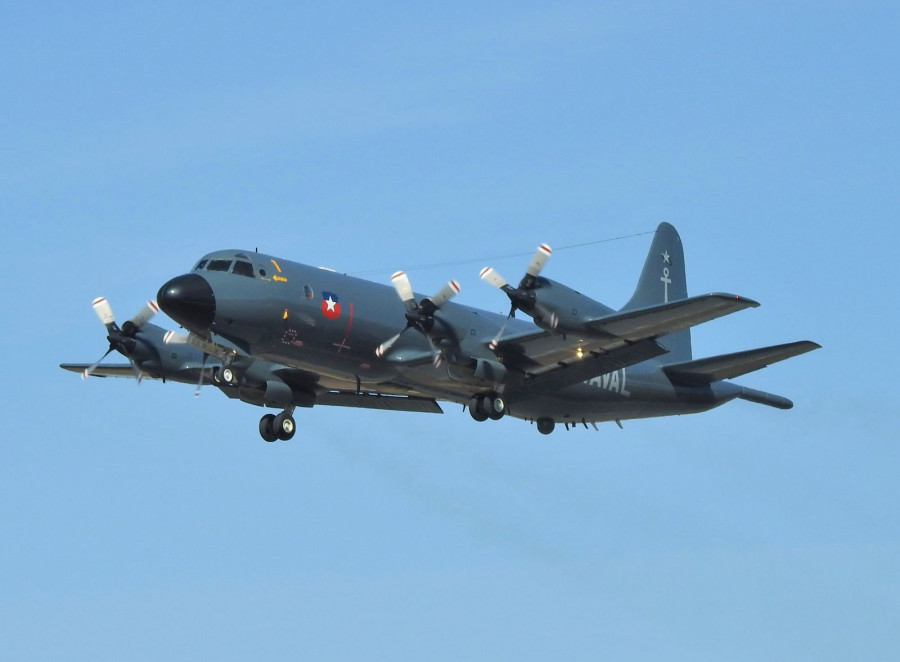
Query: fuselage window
{"points": [[219, 265], [200, 265], [262, 273], [308, 291], [243, 269]]}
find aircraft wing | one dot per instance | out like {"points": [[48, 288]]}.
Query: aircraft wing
{"points": [[104, 370], [575, 370], [537, 352], [655, 321], [378, 401]]}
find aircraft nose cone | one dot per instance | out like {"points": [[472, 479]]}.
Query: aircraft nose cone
{"points": [[188, 300]]}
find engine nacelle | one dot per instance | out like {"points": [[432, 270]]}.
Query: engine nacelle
{"points": [[275, 393], [556, 307]]}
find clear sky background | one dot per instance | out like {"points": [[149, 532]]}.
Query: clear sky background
{"points": [[140, 523]]}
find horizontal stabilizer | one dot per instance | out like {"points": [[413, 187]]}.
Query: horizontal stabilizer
{"points": [[763, 398], [665, 318], [729, 366]]}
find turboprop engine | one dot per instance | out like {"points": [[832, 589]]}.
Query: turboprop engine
{"points": [[553, 306]]}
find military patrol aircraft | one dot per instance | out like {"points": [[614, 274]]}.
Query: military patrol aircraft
{"points": [[281, 334]]}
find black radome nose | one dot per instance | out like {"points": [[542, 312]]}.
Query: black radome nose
{"points": [[188, 300]]}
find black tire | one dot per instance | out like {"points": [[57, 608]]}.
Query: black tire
{"points": [[284, 426], [267, 428], [476, 410], [545, 425]]}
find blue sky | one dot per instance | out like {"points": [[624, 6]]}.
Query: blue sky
{"points": [[141, 523]]}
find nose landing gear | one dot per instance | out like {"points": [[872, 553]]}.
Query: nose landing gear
{"points": [[273, 428]]}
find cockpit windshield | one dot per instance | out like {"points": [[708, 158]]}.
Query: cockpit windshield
{"points": [[218, 265], [242, 268], [238, 267]]}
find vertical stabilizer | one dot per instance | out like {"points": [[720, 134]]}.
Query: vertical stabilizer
{"points": [[663, 280]]}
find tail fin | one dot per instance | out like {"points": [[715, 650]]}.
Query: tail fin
{"points": [[663, 280]]}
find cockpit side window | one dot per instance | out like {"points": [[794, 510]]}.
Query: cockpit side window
{"points": [[200, 265], [219, 265], [242, 268]]}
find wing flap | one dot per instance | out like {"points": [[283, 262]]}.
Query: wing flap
{"points": [[729, 366], [579, 370], [379, 401], [655, 321]]}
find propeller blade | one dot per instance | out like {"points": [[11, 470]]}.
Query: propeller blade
{"points": [[450, 290], [200, 382], [437, 353], [495, 341], [385, 347], [539, 260], [138, 373], [404, 290], [175, 338], [551, 318], [87, 373], [144, 314], [104, 311], [490, 275]]}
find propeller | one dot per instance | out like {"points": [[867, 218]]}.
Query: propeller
{"points": [[419, 316], [523, 297], [124, 339]]}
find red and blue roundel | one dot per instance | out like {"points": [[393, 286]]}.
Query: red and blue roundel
{"points": [[331, 308]]}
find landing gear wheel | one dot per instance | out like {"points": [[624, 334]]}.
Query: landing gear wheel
{"points": [[476, 410], [545, 425], [267, 428], [495, 407], [229, 376], [284, 426]]}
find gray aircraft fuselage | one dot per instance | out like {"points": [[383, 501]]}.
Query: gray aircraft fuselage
{"points": [[330, 324]]}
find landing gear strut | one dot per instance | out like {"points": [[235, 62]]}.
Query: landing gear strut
{"points": [[282, 426], [488, 406]]}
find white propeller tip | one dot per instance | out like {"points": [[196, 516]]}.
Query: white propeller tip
{"points": [[103, 310], [545, 249]]}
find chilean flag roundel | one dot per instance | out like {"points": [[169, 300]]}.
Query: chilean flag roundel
{"points": [[330, 306]]}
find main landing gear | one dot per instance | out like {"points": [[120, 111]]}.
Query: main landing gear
{"points": [[487, 406], [282, 426]]}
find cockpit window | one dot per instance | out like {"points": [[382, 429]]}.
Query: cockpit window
{"points": [[243, 269], [219, 265], [200, 265]]}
